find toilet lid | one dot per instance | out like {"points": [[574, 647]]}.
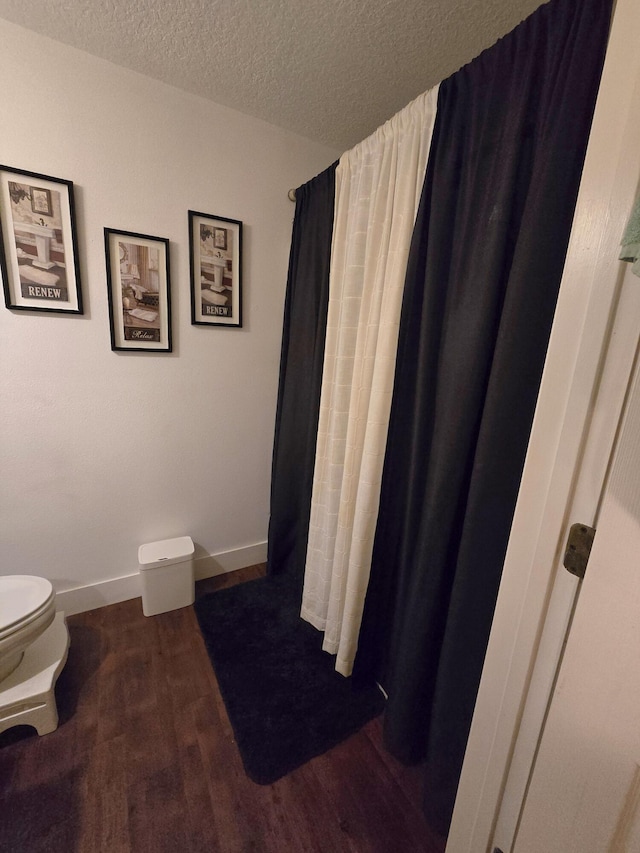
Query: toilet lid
{"points": [[20, 596]]}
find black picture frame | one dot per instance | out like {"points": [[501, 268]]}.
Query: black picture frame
{"points": [[139, 291], [215, 254], [38, 243]]}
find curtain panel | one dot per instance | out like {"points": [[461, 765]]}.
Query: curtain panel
{"points": [[301, 359], [378, 186], [483, 274]]}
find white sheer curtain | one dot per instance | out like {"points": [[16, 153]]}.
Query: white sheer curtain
{"points": [[378, 185]]}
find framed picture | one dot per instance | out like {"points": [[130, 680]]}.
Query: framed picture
{"points": [[41, 201], [220, 238], [215, 245], [138, 287], [39, 246]]}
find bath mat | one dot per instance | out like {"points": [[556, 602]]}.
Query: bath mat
{"points": [[284, 699]]}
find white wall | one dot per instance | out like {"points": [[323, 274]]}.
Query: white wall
{"points": [[102, 451]]}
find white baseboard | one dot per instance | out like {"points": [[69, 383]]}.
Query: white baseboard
{"points": [[83, 598], [229, 561]]}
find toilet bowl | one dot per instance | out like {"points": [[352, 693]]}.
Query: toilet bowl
{"points": [[27, 608]]}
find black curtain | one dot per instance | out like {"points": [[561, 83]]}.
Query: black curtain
{"points": [[482, 280], [301, 361]]}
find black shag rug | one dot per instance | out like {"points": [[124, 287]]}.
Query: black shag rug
{"points": [[285, 701]]}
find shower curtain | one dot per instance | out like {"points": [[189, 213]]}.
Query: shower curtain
{"points": [[482, 280], [482, 277], [378, 187], [301, 358]]}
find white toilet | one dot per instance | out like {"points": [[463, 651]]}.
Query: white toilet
{"points": [[27, 608], [34, 641]]}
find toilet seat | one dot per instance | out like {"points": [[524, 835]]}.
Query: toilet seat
{"points": [[27, 608], [33, 649], [23, 599]]}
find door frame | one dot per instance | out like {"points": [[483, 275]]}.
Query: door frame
{"points": [[536, 597]]}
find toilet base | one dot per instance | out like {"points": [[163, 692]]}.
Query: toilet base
{"points": [[10, 663], [27, 696]]}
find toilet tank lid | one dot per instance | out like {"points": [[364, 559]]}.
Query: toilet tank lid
{"points": [[156, 554]]}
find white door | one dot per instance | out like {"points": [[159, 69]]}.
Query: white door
{"points": [[584, 794]]}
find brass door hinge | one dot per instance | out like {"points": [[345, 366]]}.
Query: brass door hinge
{"points": [[576, 555]]}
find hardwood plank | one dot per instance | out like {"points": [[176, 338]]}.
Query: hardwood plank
{"points": [[196, 798], [105, 824]]}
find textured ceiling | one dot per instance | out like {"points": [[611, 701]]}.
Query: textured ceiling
{"points": [[330, 70]]}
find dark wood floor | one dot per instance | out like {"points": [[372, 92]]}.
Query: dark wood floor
{"points": [[144, 760]]}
